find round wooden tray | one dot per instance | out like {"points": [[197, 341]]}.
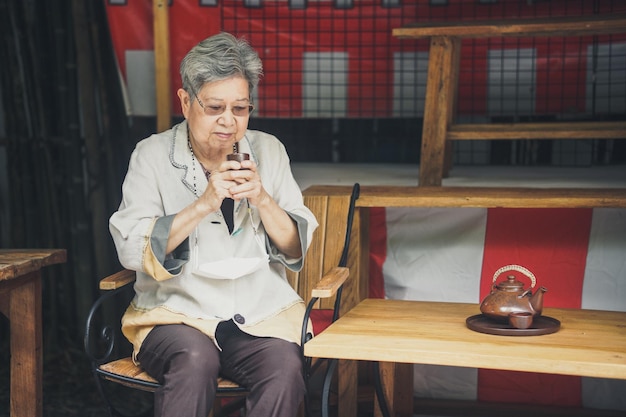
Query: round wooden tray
{"points": [[541, 325]]}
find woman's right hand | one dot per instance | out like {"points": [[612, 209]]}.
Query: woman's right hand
{"points": [[218, 188]]}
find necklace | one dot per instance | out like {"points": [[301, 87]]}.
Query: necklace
{"points": [[207, 173], [193, 168]]}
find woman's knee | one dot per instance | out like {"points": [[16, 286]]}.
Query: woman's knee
{"points": [[198, 361], [282, 389], [180, 352], [286, 369]]}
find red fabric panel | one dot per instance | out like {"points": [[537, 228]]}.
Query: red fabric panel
{"points": [[321, 319], [552, 244], [378, 251], [529, 388], [189, 24], [131, 28]]}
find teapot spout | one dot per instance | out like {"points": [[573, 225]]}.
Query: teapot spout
{"points": [[536, 301]]}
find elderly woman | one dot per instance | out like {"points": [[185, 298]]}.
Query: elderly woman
{"points": [[210, 239]]}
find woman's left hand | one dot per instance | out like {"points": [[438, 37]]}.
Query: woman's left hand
{"points": [[280, 228]]}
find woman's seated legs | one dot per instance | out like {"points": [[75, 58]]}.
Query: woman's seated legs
{"points": [[270, 368], [186, 362]]}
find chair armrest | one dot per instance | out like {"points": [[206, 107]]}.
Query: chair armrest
{"points": [[330, 282], [117, 280]]}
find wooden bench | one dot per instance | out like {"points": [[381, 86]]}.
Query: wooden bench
{"points": [[486, 197], [442, 85], [322, 199]]}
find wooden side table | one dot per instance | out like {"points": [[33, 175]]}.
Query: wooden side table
{"points": [[20, 302], [398, 333]]}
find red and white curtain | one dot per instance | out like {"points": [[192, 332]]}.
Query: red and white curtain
{"points": [[452, 254]]}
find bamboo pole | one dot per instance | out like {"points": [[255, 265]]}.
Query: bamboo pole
{"points": [[162, 65], [83, 236]]}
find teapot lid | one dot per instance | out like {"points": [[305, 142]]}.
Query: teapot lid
{"points": [[511, 284]]}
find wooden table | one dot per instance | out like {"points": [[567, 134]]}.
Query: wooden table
{"points": [[589, 343], [20, 302], [443, 77]]}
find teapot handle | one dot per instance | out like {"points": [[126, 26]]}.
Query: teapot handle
{"points": [[517, 268]]}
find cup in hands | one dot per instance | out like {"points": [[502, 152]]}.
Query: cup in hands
{"points": [[239, 157]]}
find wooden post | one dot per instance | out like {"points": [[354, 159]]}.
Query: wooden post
{"points": [[441, 89], [26, 347], [162, 65]]}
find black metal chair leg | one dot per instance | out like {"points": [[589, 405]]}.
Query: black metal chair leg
{"points": [[328, 379], [380, 394]]}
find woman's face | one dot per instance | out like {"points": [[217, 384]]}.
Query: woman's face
{"points": [[218, 116]]}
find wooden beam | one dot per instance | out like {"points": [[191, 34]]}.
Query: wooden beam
{"points": [[553, 26], [162, 64], [555, 130], [489, 197]]}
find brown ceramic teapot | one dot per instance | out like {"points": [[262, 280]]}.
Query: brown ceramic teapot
{"points": [[510, 296]]}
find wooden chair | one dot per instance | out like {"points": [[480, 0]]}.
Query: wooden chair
{"points": [[109, 352]]}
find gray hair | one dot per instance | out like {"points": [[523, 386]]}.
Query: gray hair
{"points": [[217, 58]]}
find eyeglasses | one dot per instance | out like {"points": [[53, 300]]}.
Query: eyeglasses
{"points": [[216, 110]]}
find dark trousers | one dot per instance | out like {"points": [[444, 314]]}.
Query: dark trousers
{"points": [[186, 362]]}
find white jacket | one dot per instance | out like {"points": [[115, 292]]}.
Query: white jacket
{"points": [[158, 184]]}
